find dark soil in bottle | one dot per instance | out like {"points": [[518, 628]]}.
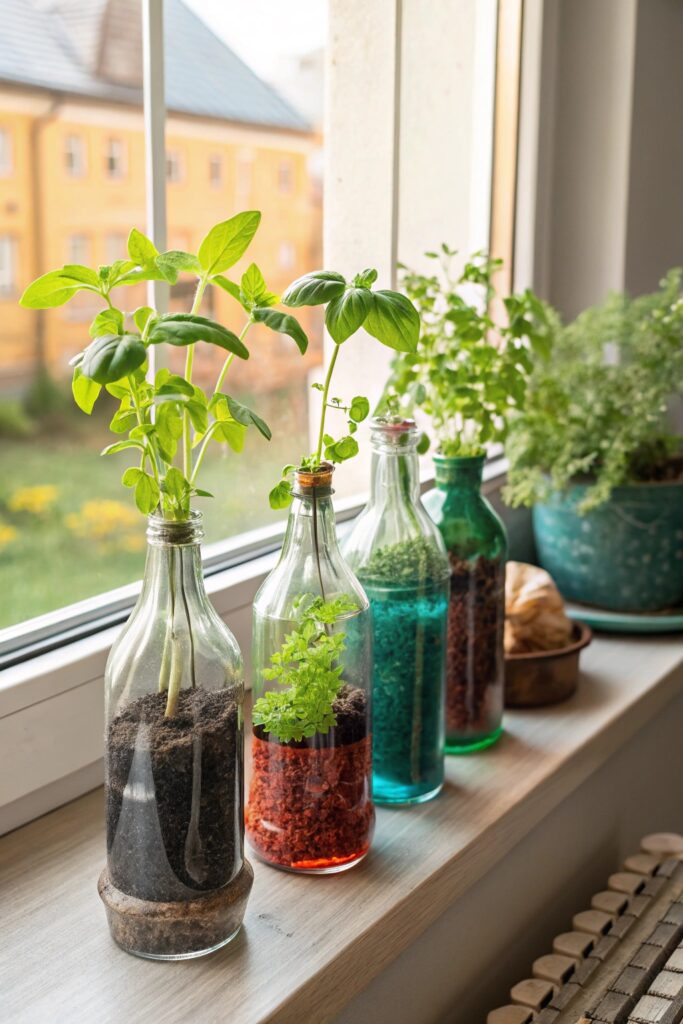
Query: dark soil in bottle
{"points": [[174, 795], [475, 662], [310, 806]]}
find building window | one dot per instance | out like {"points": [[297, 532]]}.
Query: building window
{"points": [[5, 153], [115, 247], [78, 249], [8, 266], [285, 176], [75, 156], [174, 166], [286, 255], [115, 158], [243, 176], [215, 171]]}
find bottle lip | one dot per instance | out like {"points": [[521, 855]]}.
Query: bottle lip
{"points": [[308, 480], [458, 461], [179, 532], [395, 431]]}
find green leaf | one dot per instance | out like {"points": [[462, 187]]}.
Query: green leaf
{"points": [[230, 287], [141, 317], [360, 408], [175, 262], [253, 284], [176, 485], [198, 415], [112, 356], [283, 323], [247, 416], [122, 421], [146, 494], [109, 321], [186, 329], [346, 314], [281, 495], [85, 391], [341, 450], [84, 275], [131, 476], [314, 289], [202, 494], [366, 278], [50, 290], [120, 446], [174, 384], [394, 321], [228, 241], [140, 248]]}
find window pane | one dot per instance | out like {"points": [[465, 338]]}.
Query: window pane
{"points": [[248, 137], [71, 130]]}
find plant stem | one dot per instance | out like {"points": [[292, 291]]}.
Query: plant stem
{"points": [[228, 362], [151, 454], [204, 445], [326, 390], [189, 359]]}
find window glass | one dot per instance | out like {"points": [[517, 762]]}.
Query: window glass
{"points": [[68, 530]]}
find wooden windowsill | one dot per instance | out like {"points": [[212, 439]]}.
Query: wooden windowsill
{"points": [[310, 944]]}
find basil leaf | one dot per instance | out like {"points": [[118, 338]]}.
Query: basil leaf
{"points": [[314, 289], [146, 493], [186, 329], [228, 241], [120, 446], [346, 314], [140, 248], [84, 275], [50, 290], [394, 321], [360, 408], [142, 315], [366, 278], [230, 287], [85, 391], [247, 416], [283, 323], [112, 356], [175, 262], [281, 495], [253, 284], [109, 321]]}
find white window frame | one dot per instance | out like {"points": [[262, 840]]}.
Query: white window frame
{"points": [[285, 175], [51, 689], [175, 166], [79, 248], [8, 266], [6, 152], [75, 155], [115, 164], [216, 162]]}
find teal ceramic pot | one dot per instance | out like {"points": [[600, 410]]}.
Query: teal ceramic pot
{"points": [[626, 555]]}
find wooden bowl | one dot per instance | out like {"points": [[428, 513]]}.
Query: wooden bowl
{"points": [[545, 677]]}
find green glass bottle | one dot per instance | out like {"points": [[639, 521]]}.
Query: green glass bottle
{"points": [[476, 543]]}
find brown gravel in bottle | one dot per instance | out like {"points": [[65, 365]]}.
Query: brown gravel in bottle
{"points": [[475, 662], [174, 795], [310, 805]]}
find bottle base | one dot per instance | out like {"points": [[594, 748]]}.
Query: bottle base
{"points": [[180, 930], [465, 746], [402, 796], [319, 866]]}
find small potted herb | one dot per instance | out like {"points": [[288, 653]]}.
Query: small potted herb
{"points": [[469, 373], [597, 454], [176, 881], [310, 801]]}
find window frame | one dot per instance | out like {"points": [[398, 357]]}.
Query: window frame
{"points": [[78, 169], [119, 173], [8, 288], [6, 151]]}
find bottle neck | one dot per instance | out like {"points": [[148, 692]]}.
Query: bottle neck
{"points": [[395, 475], [173, 568], [311, 526], [459, 474]]}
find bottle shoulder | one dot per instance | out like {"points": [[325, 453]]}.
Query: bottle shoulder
{"points": [[467, 521]]}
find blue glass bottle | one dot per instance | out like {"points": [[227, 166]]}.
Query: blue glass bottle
{"points": [[399, 557]]}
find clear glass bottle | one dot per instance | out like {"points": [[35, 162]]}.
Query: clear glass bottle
{"points": [[310, 798], [400, 559], [176, 881], [476, 542]]}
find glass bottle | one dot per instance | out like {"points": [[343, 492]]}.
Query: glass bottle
{"points": [[310, 798], [176, 882], [476, 542], [400, 559]]}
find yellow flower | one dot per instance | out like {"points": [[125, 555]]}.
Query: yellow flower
{"points": [[34, 500], [109, 524], [7, 535]]}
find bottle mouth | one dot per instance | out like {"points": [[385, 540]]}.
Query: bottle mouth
{"points": [[394, 432], [318, 480], [180, 532]]}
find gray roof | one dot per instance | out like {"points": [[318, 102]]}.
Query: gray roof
{"points": [[92, 48]]}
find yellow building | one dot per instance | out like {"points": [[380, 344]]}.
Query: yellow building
{"points": [[72, 177]]}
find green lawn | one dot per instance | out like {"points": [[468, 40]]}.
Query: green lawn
{"points": [[48, 564]]}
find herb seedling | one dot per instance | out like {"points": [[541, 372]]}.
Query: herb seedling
{"points": [[469, 372], [308, 668], [170, 418], [597, 411]]}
